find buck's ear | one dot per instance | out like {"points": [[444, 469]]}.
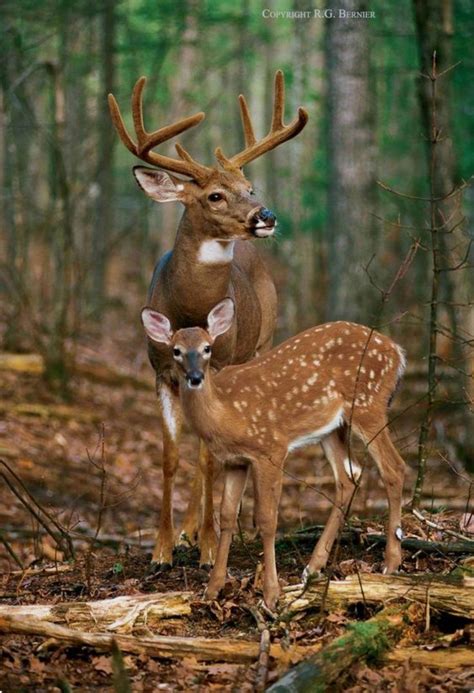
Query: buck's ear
{"points": [[158, 185], [157, 326], [220, 318]]}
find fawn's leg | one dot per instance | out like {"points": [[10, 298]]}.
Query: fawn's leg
{"points": [[234, 486], [345, 476], [267, 489], [171, 425], [392, 471], [208, 537]]}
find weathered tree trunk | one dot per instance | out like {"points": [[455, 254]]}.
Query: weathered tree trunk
{"points": [[452, 598], [167, 647], [351, 197], [119, 615]]}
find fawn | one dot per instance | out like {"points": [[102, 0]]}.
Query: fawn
{"points": [[308, 389]]}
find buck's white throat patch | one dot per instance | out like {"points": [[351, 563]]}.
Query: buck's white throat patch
{"points": [[214, 252]]}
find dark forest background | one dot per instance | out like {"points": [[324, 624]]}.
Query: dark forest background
{"points": [[79, 239]]}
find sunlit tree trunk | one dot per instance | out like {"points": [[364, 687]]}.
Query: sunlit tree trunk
{"points": [[351, 142]]}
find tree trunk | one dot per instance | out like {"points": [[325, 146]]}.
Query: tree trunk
{"points": [[434, 25], [104, 217], [351, 153]]}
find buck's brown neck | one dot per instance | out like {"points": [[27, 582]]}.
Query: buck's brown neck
{"points": [[197, 286]]}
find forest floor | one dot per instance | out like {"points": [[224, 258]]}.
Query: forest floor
{"points": [[93, 464]]}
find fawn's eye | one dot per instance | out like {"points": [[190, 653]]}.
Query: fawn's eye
{"points": [[215, 197], [176, 351], [207, 349], [252, 192]]}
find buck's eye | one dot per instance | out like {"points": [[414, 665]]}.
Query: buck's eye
{"points": [[207, 349], [251, 192], [176, 351], [215, 197]]}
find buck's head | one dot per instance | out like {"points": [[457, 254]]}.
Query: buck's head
{"points": [[191, 347], [219, 200]]}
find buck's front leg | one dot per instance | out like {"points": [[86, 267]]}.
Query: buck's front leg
{"points": [[234, 486], [171, 419]]}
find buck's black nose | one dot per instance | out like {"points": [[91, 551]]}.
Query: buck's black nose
{"points": [[266, 215]]}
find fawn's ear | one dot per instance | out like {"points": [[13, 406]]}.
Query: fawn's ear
{"points": [[158, 185], [220, 318], [157, 326]]}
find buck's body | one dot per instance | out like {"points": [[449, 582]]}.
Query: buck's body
{"points": [[239, 273]]}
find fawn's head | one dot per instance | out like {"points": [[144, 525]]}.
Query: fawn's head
{"points": [[192, 346], [219, 199]]}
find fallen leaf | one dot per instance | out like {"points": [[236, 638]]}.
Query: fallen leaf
{"points": [[466, 523], [103, 663]]}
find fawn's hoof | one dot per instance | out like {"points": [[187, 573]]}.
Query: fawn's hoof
{"points": [[211, 593], [206, 566]]}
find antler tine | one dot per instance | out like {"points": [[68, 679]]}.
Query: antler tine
{"points": [[120, 125], [279, 132], [278, 102], [249, 134], [146, 141]]}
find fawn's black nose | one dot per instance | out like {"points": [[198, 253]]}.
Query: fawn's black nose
{"points": [[195, 378]]}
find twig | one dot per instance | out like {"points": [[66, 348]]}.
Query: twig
{"points": [[69, 549], [263, 662], [440, 528]]}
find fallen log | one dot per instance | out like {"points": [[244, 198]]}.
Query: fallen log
{"points": [[97, 372], [448, 658], [165, 647], [356, 536], [451, 597], [119, 615], [50, 411], [367, 640], [22, 363]]}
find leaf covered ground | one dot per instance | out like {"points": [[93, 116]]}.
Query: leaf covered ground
{"points": [[93, 464]]}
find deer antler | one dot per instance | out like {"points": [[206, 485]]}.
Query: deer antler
{"points": [[279, 132], [146, 141]]}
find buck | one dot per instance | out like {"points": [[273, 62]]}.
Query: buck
{"points": [[311, 388], [210, 260]]}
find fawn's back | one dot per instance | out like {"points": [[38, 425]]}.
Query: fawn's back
{"points": [[303, 389]]}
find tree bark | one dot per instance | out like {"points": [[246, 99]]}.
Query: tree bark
{"points": [[449, 597], [166, 647], [351, 142], [120, 614]]}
